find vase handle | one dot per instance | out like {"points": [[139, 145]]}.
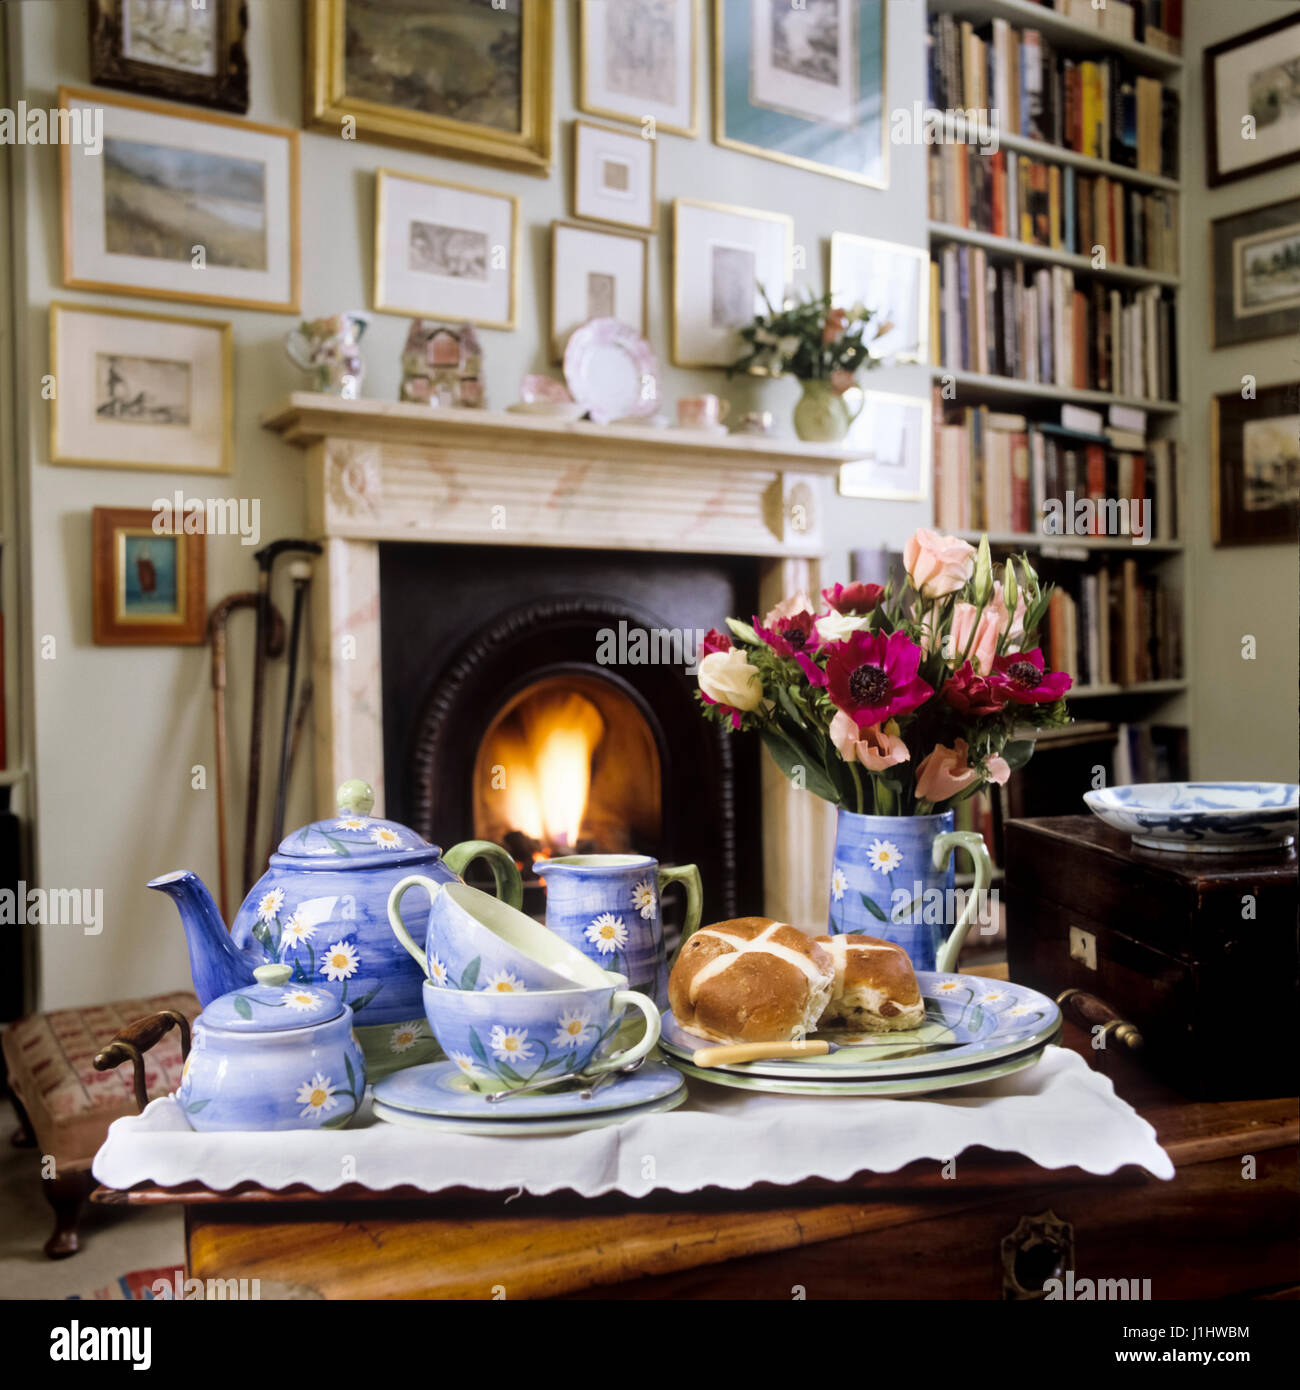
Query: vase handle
{"points": [[689, 877], [973, 843]]}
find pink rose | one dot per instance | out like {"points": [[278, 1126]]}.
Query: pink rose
{"points": [[790, 607], [876, 748], [980, 631], [944, 772], [836, 322], [841, 380], [998, 770], [937, 565]]}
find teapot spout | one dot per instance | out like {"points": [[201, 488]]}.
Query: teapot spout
{"points": [[216, 966]]}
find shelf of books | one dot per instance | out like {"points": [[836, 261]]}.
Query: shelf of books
{"points": [[1055, 263]]}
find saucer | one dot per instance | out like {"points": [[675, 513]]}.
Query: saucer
{"points": [[444, 1090], [560, 1125]]}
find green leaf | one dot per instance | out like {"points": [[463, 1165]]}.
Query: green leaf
{"points": [[788, 756], [242, 1007], [1018, 752], [787, 703], [901, 914], [476, 1046], [874, 908], [470, 977], [510, 1074], [195, 1106], [975, 1019], [352, 1076], [358, 1004]]}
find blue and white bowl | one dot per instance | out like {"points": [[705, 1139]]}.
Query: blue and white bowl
{"points": [[1202, 817]]}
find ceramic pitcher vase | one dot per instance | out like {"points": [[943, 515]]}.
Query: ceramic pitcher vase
{"points": [[893, 877], [822, 415]]}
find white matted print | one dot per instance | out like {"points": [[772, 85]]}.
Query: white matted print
{"points": [[725, 259], [181, 206], [139, 390], [638, 62], [891, 280], [595, 275], [896, 431], [803, 59], [445, 250], [613, 176]]}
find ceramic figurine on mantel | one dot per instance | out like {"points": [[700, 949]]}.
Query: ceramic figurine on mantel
{"points": [[895, 707], [824, 348], [330, 350], [441, 366]]}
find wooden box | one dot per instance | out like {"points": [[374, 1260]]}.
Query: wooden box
{"points": [[1198, 951]]}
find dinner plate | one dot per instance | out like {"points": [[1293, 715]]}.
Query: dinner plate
{"points": [[564, 1124], [1202, 817], [611, 371], [883, 1086], [985, 1019], [443, 1088]]}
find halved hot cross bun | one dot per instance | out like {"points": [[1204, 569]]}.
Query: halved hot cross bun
{"points": [[875, 987]]}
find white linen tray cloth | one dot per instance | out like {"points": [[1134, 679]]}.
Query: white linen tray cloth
{"points": [[1057, 1113]]}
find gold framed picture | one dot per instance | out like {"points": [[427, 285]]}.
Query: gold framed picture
{"points": [[893, 281], [638, 62], [896, 430], [446, 250], [182, 205], [1255, 466], [596, 275], [149, 584], [614, 177], [133, 390], [464, 78]]}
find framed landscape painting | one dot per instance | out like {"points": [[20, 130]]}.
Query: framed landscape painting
{"points": [[1252, 101], [1255, 455], [803, 82], [181, 205], [139, 390], [466, 78], [1256, 264], [639, 62], [149, 588]]}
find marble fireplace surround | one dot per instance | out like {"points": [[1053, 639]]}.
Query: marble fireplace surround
{"points": [[379, 471]]}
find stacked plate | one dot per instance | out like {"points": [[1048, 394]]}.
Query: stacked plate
{"points": [[442, 1096], [975, 1030]]}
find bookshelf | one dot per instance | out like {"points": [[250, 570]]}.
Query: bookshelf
{"points": [[1008, 249]]}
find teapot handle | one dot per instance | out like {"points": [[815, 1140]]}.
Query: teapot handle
{"points": [[504, 869]]}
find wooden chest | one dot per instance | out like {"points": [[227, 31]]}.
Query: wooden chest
{"points": [[1198, 951]]}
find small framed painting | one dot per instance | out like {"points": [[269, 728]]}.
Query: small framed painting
{"points": [[614, 177], [139, 390], [191, 206], [445, 250], [726, 260], [595, 275], [467, 78], [1256, 271], [638, 63], [150, 586], [1255, 454], [179, 49], [1252, 101], [891, 280], [896, 430], [803, 82]]}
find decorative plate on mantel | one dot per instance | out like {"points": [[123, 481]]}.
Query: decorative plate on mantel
{"points": [[611, 371]]}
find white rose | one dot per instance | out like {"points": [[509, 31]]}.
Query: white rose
{"points": [[730, 680], [839, 627]]}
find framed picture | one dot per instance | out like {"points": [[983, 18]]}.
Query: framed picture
{"points": [[445, 250], [1255, 454], [614, 177], [181, 205], [637, 62], [896, 429], [803, 82], [1255, 259], [595, 275], [893, 281], [1252, 101], [172, 48], [139, 390], [149, 586], [725, 259], [466, 78]]}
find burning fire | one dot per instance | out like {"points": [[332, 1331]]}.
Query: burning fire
{"points": [[545, 749]]}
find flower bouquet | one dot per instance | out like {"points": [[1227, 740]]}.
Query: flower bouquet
{"points": [[895, 706]]}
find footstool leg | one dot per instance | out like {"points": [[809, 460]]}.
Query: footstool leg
{"points": [[66, 1195], [24, 1137]]}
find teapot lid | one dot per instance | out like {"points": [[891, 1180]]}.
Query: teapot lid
{"points": [[353, 833], [273, 1005]]}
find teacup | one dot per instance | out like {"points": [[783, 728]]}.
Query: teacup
{"points": [[704, 412], [471, 945], [504, 1041]]}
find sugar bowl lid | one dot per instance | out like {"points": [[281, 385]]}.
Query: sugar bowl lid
{"points": [[352, 834], [272, 1005]]}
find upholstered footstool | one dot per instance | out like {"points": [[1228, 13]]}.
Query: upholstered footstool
{"points": [[65, 1106]]}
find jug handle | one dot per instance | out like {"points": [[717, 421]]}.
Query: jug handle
{"points": [[973, 843], [689, 877], [505, 871], [395, 916]]}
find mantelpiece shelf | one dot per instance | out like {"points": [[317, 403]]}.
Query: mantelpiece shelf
{"points": [[1010, 249]]}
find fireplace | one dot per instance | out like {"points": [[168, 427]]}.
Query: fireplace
{"points": [[546, 700]]}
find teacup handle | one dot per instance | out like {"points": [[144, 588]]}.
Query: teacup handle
{"points": [[395, 916], [689, 877], [622, 998], [973, 843], [505, 871]]}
